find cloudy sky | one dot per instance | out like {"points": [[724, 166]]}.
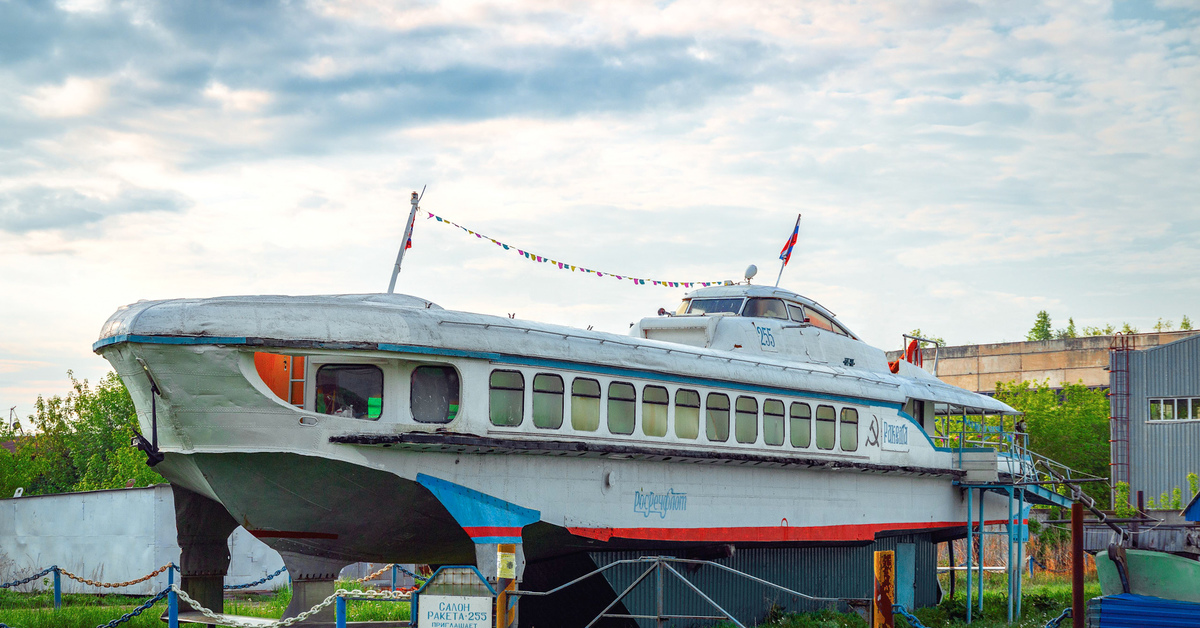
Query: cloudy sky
{"points": [[960, 165]]}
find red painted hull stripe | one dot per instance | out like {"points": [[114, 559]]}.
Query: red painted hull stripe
{"points": [[288, 534], [849, 532], [492, 531]]}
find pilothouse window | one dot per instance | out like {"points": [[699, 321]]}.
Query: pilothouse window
{"points": [[715, 306], [350, 390], [849, 429], [765, 308], [433, 395]]}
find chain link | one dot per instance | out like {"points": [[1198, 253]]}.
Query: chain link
{"points": [[116, 585], [229, 587], [1054, 623], [17, 583], [371, 576], [137, 611], [912, 619], [226, 621]]}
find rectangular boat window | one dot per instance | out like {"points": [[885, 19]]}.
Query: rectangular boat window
{"points": [[765, 308], [826, 427], [849, 429], [802, 424], [1155, 410], [350, 390], [745, 424], [716, 417], [655, 402], [547, 401], [585, 404], [715, 306], [433, 394], [773, 422], [687, 413], [796, 312], [801, 419], [507, 398], [622, 403]]}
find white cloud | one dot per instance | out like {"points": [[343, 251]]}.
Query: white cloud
{"points": [[243, 100], [75, 97]]}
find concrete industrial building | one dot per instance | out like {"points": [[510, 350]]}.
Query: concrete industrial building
{"points": [[979, 367]]}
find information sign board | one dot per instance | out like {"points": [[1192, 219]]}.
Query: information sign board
{"points": [[454, 611]]}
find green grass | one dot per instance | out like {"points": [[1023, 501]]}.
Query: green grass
{"points": [[1042, 602], [36, 610]]}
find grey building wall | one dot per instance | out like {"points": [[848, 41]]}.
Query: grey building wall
{"points": [[1162, 453], [111, 536]]}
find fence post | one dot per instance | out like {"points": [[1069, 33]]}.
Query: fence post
{"points": [[340, 611], [57, 589], [394, 569], [172, 599]]}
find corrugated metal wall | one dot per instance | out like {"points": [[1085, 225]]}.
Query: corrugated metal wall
{"points": [[1162, 453], [844, 572]]}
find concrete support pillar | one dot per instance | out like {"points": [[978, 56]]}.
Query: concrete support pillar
{"points": [[313, 580], [203, 527]]}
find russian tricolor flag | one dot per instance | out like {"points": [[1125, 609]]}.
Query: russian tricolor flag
{"points": [[786, 253]]}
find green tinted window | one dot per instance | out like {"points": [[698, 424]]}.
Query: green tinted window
{"points": [[801, 419], [687, 413], [585, 404], [655, 403], [622, 400], [773, 422], [547, 401], [716, 417], [849, 429], [507, 400], [350, 390], [745, 427], [826, 427]]}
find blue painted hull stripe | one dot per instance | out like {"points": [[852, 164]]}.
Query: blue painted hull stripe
{"points": [[532, 362]]}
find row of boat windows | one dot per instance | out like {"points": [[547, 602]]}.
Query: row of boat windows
{"points": [[356, 391], [507, 408], [761, 307]]}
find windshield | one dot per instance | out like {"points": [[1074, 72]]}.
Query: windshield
{"points": [[714, 306]]}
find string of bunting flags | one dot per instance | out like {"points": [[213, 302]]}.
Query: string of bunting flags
{"points": [[534, 257]]}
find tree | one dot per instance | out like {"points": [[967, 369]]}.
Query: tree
{"points": [[1185, 323], [1162, 325], [1128, 329], [1069, 332], [1041, 328], [922, 344], [1069, 426], [79, 443]]}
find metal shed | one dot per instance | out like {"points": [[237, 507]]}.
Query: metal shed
{"points": [[1155, 405]]}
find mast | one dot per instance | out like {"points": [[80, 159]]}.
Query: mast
{"points": [[408, 228]]}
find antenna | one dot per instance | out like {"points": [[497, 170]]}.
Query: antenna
{"points": [[408, 229]]}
